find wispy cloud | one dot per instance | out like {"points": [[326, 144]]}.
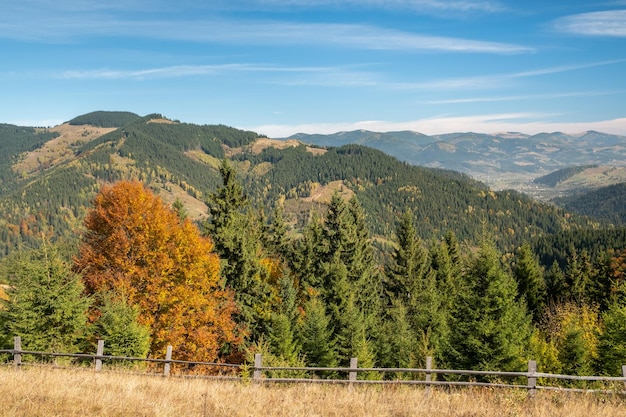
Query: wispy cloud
{"points": [[184, 71], [545, 96], [611, 23], [49, 25], [322, 34], [495, 80], [529, 123], [422, 6]]}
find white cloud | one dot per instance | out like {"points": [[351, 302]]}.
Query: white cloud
{"points": [[524, 97], [421, 6], [611, 23], [508, 122], [49, 24], [330, 75], [494, 80]]}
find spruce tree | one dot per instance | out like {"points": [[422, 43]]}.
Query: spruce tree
{"points": [[46, 306], [237, 233], [530, 280], [283, 334], [118, 326], [612, 343], [412, 283], [316, 336], [491, 328]]}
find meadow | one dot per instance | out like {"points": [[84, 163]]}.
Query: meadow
{"points": [[45, 391]]}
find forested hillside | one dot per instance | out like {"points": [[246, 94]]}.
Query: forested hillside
{"points": [[606, 203], [555, 177], [309, 256]]}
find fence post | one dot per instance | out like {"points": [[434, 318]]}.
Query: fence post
{"points": [[168, 357], [258, 364], [532, 380], [17, 351], [429, 366], [624, 374], [99, 352], [354, 364]]}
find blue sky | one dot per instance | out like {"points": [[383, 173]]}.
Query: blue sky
{"points": [[319, 66]]}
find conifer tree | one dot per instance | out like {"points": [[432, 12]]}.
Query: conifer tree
{"points": [[118, 325], [237, 233], [316, 336], [398, 343], [556, 284], [530, 281], [612, 342], [45, 306], [578, 275], [283, 335], [491, 328], [413, 283]]}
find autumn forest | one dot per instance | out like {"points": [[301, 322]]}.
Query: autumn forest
{"points": [[383, 269]]}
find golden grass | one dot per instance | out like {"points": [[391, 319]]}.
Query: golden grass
{"points": [[60, 149], [82, 392]]}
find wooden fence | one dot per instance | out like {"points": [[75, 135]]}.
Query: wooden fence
{"points": [[259, 373]]}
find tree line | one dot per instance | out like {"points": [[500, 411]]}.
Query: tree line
{"points": [[243, 282]]}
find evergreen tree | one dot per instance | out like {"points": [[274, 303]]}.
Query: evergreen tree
{"points": [[45, 305], [118, 326], [237, 234], [556, 284], [578, 275], [310, 254], [530, 281], [572, 354], [412, 283], [335, 258], [612, 342], [601, 291], [316, 336], [410, 262], [492, 329], [398, 343], [283, 338]]}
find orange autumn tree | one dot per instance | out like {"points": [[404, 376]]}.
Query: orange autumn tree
{"points": [[139, 250]]}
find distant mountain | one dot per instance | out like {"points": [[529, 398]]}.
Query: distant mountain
{"points": [[49, 176], [504, 160], [554, 178]]}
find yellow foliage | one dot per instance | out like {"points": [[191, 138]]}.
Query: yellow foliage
{"points": [[136, 247], [570, 316]]}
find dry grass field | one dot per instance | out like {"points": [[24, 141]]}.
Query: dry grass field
{"points": [[76, 392]]}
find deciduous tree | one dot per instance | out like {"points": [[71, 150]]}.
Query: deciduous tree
{"points": [[140, 249]]}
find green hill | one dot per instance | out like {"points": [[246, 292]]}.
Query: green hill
{"points": [[105, 119], [556, 177], [606, 203], [180, 160]]}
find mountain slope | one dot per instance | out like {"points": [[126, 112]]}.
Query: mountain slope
{"points": [[606, 203], [505, 160], [180, 160]]}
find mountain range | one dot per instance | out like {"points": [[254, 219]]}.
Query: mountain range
{"points": [[48, 176], [504, 160]]}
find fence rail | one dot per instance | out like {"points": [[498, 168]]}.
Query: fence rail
{"points": [[260, 372]]}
